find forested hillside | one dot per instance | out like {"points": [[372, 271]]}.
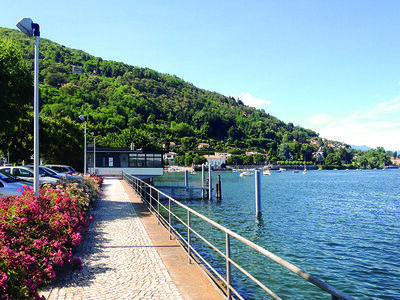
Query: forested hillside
{"points": [[125, 104]]}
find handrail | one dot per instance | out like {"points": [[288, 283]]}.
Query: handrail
{"points": [[146, 190]]}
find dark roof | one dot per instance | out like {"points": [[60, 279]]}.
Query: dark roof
{"points": [[123, 150]]}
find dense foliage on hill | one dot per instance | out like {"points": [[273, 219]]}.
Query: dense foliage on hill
{"points": [[125, 104]]}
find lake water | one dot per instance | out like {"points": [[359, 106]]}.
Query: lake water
{"points": [[341, 226]]}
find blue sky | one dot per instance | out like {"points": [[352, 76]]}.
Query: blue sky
{"points": [[330, 66]]}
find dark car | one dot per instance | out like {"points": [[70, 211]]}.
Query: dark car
{"points": [[10, 185]]}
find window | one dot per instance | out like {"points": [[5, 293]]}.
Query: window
{"points": [[22, 172], [140, 160], [133, 160]]}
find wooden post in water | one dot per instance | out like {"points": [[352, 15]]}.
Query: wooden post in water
{"points": [[186, 179], [209, 183], [202, 180], [218, 188], [258, 192]]}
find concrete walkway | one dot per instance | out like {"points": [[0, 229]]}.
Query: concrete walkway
{"points": [[120, 258]]}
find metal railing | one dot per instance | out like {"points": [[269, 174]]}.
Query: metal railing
{"points": [[151, 196]]}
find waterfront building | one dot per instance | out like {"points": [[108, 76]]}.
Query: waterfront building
{"points": [[114, 160], [215, 161]]}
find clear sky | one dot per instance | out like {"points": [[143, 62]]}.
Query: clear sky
{"points": [[328, 65]]}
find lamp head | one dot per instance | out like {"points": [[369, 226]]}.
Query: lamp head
{"points": [[28, 27], [25, 25], [82, 117]]}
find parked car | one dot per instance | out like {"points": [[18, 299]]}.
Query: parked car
{"points": [[53, 172], [67, 176], [10, 185], [62, 169], [26, 173]]}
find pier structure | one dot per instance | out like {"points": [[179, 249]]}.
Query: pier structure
{"points": [[125, 255], [178, 223], [205, 186]]}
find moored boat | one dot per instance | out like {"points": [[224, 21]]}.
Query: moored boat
{"points": [[246, 173]]}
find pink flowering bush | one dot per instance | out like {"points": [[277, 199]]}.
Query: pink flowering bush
{"points": [[38, 234]]}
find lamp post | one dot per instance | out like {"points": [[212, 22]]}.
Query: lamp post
{"points": [[82, 117], [94, 153], [27, 26]]}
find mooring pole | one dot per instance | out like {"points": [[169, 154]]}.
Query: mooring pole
{"points": [[186, 179], [218, 188], [202, 180], [209, 183], [258, 192]]}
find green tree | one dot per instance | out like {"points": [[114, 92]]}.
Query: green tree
{"points": [[16, 93], [333, 159], [198, 160], [284, 151], [258, 158], [306, 152], [61, 141]]}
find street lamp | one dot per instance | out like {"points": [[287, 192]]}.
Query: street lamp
{"points": [[27, 26], [82, 117], [94, 153]]}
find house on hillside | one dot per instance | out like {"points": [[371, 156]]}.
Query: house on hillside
{"points": [[169, 157], [222, 154], [395, 161], [203, 146], [319, 155], [215, 161], [112, 161]]}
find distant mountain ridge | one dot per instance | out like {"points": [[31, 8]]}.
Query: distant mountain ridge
{"points": [[361, 148]]}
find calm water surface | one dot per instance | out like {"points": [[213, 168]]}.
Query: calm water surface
{"points": [[343, 227]]}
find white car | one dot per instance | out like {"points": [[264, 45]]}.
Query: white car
{"points": [[26, 173], [11, 186]]}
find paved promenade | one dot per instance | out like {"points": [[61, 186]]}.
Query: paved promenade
{"points": [[120, 260]]}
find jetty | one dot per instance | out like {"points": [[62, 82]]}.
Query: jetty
{"points": [[127, 255]]}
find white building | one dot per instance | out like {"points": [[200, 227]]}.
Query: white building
{"points": [[170, 156], [215, 161], [222, 154]]}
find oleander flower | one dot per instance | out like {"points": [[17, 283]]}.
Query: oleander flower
{"points": [[37, 234]]}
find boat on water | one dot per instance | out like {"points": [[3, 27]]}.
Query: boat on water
{"points": [[246, 173], [267, 172], [305, 169], [193, 173]]}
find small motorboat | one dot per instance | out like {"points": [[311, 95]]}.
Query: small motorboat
{"points": [[246, 173], [267, 172]]}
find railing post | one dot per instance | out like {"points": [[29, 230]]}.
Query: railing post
{"points": [[158, 207], [169, 217], [151, 198], [188, 234], [228, 265]]}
